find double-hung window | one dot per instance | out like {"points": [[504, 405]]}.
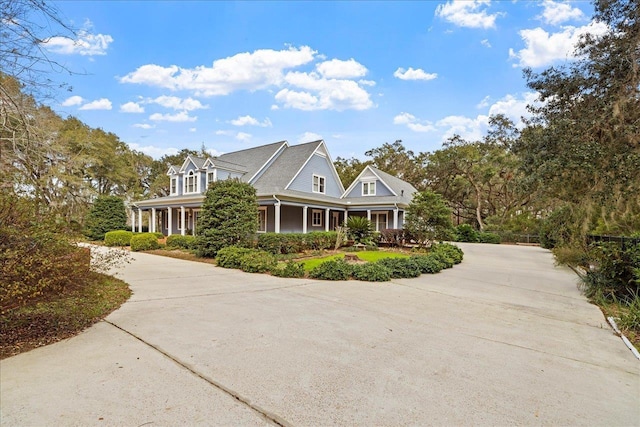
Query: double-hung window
{"points": [[262, 219], [174, 185], [318, 184], [190, 183], [369, 188], [316, 218], [211, 176]]}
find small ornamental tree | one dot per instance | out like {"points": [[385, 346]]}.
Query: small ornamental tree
{"points": [[428, 218], [106, 214], [229, 217]]}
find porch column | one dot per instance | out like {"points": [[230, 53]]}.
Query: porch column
{"points": [[326, 219], [346, 216], [153, 220], [140, 220], [395, 218], [304, 219], [369, 214], [133, 221], [182, 224], [276, 226], [170, 222]]}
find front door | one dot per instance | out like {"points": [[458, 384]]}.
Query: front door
{"points": [[335, 220]]}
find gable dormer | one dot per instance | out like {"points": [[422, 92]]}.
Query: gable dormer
{"points": [[368, 184], [174, 180]]}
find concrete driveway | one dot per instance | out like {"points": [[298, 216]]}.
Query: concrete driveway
{"points": [[504, 338]]}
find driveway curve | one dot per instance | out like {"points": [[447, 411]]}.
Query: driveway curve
{"points": [[503, 338]]}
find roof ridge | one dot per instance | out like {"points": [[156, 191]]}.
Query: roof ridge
{"points": [[253, 148]]}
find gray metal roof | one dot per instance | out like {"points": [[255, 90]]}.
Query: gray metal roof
{"points": [[252, 159], [284, 168]]}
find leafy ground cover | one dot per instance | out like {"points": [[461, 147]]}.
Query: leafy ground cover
{"points": [[60, 316]]}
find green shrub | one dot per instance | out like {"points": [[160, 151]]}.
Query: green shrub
{"points": [[291, 269], [144, 242], [401, 267], [106, 214], [486, 237], [257, 261], [231, 256], [466, 233], [445, 260], [271, 242], [337, 269], [428, 264], [158, 235], [319, 240], [371, 272], [616, 275], [450, 251], [118, 238], [180, 241]]}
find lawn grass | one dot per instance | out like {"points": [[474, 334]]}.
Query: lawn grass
{"points": [[61, 316], [369, 256]]}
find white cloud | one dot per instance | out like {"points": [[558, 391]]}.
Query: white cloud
{"points": [[367, 82], [411, 74], [213, 152], [319, 93], [99, 104], [192, 129], [309, 137], [182, 116], [413, 123], [131, 107], [484, 103], [243, 71], [242, 136], [143, 126], [556, 13], [153, 151], [470, 14], [543, 49], [275, 107], [188, 104], [250, 121], [485, 43], [73, 100], [225, 132], [338, 69], [86, 44], [515, 107], [467, 128]]}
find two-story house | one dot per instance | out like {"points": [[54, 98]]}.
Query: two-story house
{"points": [[297, 186]]}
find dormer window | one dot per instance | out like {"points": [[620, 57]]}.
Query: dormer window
{"points": [[318, 184], [369, 188], [211, 177], [174, 185], [190, 183]]}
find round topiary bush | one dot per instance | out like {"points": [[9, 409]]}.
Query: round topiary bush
{"points": [[487, 237], [258, 262], [144, 242], [118, 238], [466, 233], [180, 241], [337, 269], [230, 256], [371, 272]]}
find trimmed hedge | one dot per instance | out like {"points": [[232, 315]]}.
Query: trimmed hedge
{"points": [[257, 261], [291, 269], [427, 264], [288, 243], [118, 238], [144, 242], [180, 241], [466, 233], [371, 272], [486, 237], [337, 269], [231, 256], [401, 268], [450, 251]]}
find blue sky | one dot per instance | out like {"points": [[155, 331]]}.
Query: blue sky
{"points": [[170, 75]]}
